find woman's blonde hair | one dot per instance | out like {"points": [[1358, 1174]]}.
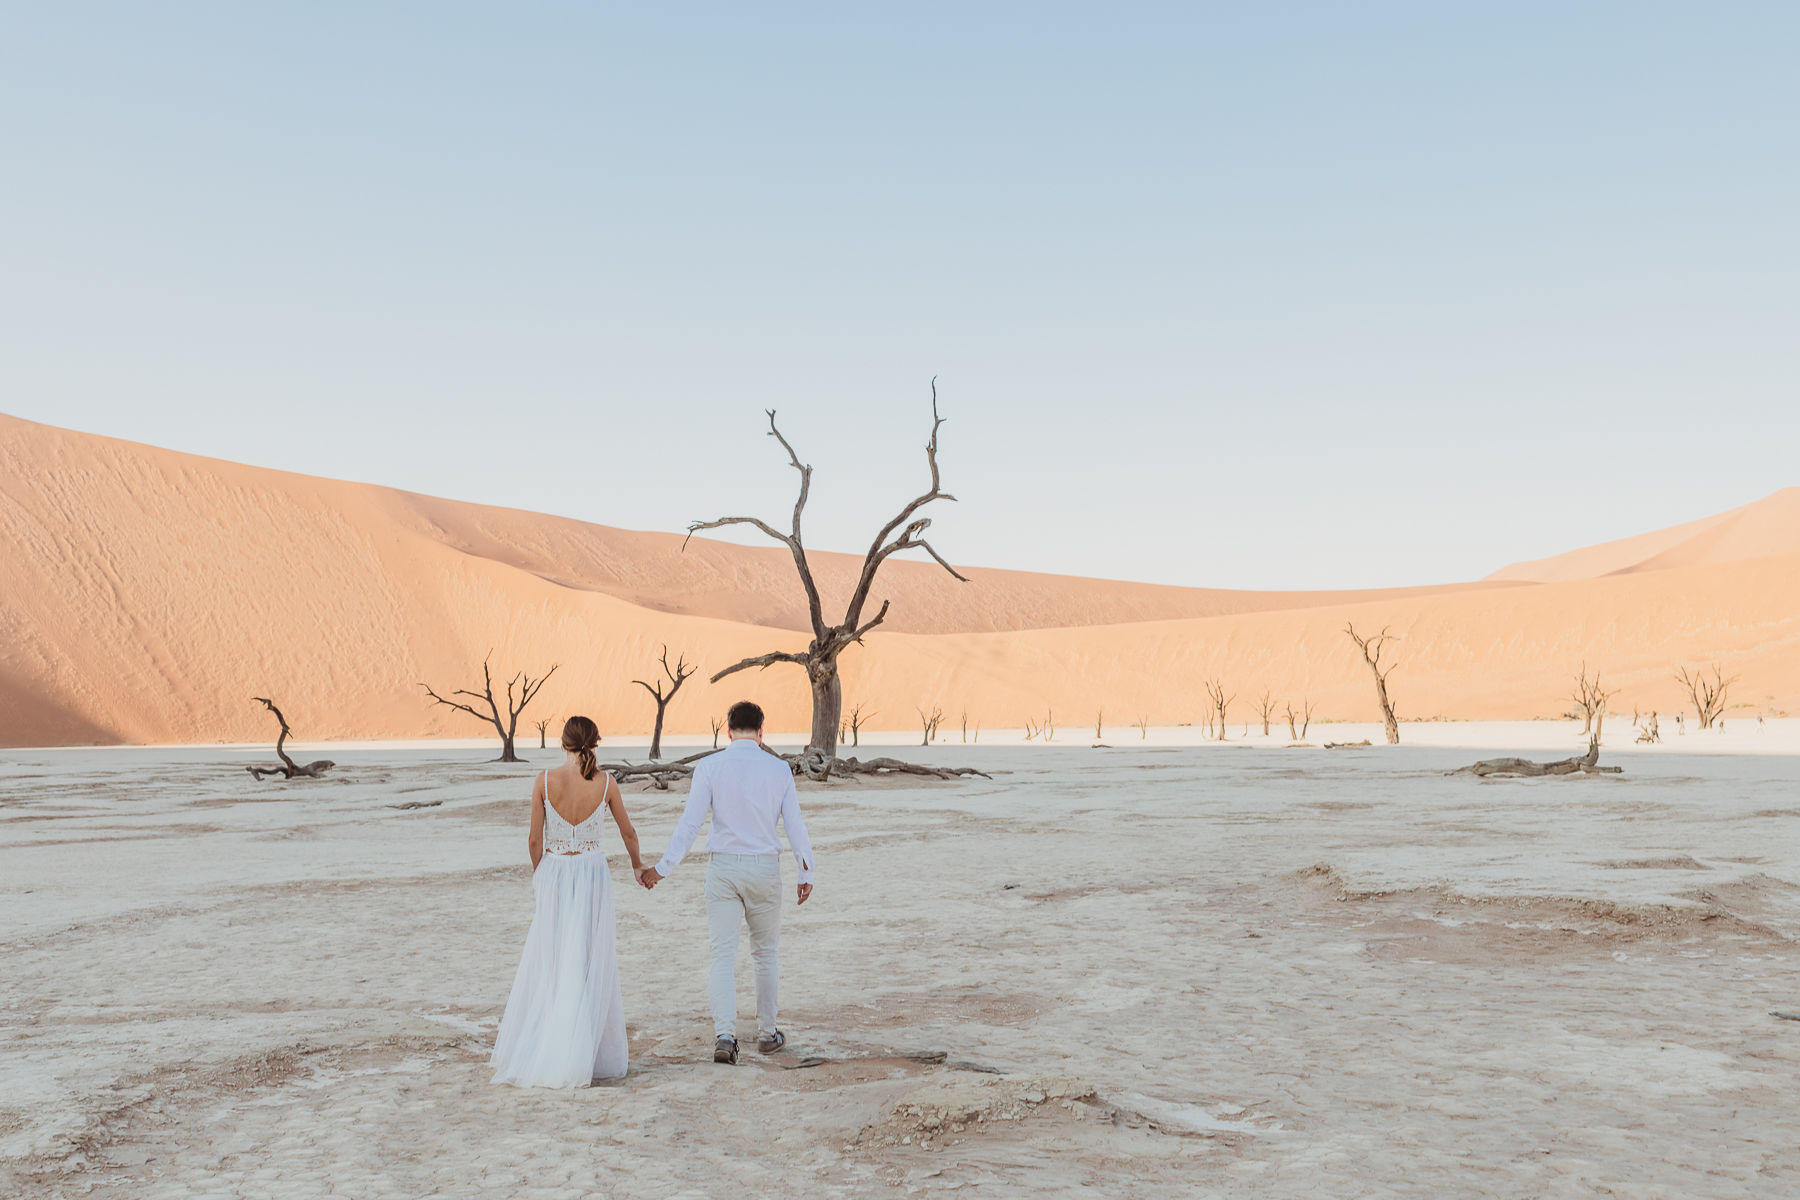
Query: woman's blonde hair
{"points": [[580, 736]]}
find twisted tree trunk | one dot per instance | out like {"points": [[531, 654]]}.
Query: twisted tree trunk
{"points": [[820, 658], [1371, 648]]}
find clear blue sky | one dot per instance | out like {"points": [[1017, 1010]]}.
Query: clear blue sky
{"points": [[1246, 296]]}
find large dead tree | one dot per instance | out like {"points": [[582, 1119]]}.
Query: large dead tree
{"points": [[674, 677], [820, 658], [288, 768], [1707, 696], [505, 720], [1371, 648]]}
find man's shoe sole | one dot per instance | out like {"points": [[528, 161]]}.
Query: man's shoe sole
{"points": [[725, 1056], [770, 1047]]}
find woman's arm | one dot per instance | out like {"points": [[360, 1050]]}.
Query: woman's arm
{"points": [[627, 831], [535, 843]]}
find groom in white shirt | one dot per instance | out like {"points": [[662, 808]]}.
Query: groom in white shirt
{"points": [[745, 790]]}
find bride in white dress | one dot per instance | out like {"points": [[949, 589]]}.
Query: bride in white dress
{"points": [[565, 1022]]}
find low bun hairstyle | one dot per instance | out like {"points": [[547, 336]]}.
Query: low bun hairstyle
{"points": [[580, 736]]}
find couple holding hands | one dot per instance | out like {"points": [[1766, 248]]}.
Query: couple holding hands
{"points": [[565, 1021]]}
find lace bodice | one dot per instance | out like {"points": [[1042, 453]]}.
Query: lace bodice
{"points": [[560, 837]]}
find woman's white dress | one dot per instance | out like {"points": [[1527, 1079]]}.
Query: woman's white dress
{"points": [[565, 1021]]}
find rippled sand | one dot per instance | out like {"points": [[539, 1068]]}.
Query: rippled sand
{"points": [[1157, 971]]}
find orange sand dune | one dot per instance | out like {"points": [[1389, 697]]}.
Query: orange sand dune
{"points": [[1769, 526], [149, 594]]}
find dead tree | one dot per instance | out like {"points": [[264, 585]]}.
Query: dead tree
{"points": [[820, 658], [965, 726], [504, 720], [930, 721], [1048, 728], [715, 729], [1587, 764], [857, 718], [543, 728], [1305, 717], [1649, 733], [1707, 696], [1264, 707], [288, 768], [676, 676], [1215, 691], [1291, 718], [1371, 648], [1099, 719], [1143, 725], [1588, 698]]}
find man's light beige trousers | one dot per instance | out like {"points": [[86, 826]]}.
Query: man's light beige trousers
{"points": [[743, 889]]}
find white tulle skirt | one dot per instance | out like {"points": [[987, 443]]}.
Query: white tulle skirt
{"points": [[565, 1021]]}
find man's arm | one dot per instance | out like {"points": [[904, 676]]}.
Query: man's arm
{"points": [[795, 825], [699, 804]]}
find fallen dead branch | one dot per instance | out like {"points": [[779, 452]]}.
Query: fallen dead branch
{"points": [[1587, 764], [807, 762], [1345, 745]]}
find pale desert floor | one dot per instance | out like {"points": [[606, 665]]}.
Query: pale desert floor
{"points": [[1244, 970]]}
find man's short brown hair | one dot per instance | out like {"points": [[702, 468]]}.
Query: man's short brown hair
{"points": [[746, 716]]}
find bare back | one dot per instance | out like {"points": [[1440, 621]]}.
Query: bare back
{"points": [[562, 794], [575, 799]]}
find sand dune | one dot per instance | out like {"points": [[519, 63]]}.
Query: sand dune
{"points": [[149, 594], [1769, 526]]}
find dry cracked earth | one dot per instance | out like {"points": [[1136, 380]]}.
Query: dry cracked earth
{"points": [[1190, 972]]}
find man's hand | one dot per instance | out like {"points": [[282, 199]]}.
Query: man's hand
{"points": [[804, 890], [649, 877]]}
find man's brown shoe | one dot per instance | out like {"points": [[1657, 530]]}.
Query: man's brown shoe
{"points": [[772, 1043], [725, 1051]]}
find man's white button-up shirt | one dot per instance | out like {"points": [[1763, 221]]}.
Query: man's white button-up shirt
{"points": [[746, 790]]}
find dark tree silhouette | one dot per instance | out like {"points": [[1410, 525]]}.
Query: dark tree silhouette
{"points": [[676, 676], [820, 658], [1215, 692], [504, 720], [1708, 697], [288, 768]]}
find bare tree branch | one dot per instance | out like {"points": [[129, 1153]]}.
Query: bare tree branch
{"points": [[288, 769], [815, 608], [762, 660], [676, 676], [506, 726]]}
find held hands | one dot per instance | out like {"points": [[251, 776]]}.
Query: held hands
{"points": [[648, 876]]}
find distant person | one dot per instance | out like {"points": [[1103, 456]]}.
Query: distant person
{"points": [[1680, 726], [745, 791], [565, 1021]]}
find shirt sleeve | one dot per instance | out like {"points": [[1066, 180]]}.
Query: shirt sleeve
{"points": [[699, 804], [795, 825]]}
